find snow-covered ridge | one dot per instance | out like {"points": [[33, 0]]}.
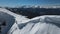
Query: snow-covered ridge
{"points": [[39, 24], [46, 24], [18, 18], [43, 23], [38, 6]]}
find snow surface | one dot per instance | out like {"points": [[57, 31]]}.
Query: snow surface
{"points": [[39, 25], [6, 14], [17, 17]]}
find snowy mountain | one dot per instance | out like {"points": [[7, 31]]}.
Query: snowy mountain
{"points": [[8, 18], [39, 25], [18, 24]]}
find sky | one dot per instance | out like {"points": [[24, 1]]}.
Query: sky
{"points": [[28, 2]]}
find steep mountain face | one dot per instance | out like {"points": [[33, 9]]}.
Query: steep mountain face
{"points": [[6, 21], [8, 18], [39, 25]]}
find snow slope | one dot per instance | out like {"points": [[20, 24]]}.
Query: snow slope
{"points": [[6, 21], [40, 25], [6, 14], [17, 17]]}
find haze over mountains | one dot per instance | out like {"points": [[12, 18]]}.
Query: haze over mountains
{"points": [[33, 11]]}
